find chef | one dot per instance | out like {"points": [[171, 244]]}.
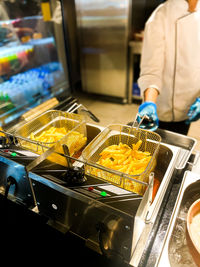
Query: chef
{"points": [[170, 66]]}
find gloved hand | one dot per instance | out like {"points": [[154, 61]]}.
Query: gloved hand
{"points": [[150, 110], [194, 111]]}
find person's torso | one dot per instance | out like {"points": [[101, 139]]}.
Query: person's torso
{"points": [[181, 74]]}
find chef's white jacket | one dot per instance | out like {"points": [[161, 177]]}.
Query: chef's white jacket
{"points": [[170, 58]]}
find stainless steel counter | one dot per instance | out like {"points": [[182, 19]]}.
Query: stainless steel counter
{"points": [[167, 231]]}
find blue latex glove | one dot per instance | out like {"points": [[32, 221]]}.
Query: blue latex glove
{"points": [[194, 111], [150, 110]]}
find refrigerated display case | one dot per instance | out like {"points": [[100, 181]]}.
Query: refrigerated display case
{"points": [[33, 63]]}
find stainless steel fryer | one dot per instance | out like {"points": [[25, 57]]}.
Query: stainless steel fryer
{"points": [[100, 213]]}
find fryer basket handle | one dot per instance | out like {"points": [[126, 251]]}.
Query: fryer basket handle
{"points": [[196, 159]]}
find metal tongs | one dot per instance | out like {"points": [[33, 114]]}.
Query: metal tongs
{"points": [[146, 122]]}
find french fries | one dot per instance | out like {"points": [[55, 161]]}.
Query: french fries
{"points": [[75, 140], [125, 159], [49, 136]]}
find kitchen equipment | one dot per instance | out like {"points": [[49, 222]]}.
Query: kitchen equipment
{"points": [[82, 110], [100, 213], [109, 66], [145, 122], [70, 122], [192, 231], [33, 113], [113, 135], [34, 68], [176, 250], [103, 37]]}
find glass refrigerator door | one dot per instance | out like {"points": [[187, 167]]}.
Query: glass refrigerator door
{"points": [[33, 65]]}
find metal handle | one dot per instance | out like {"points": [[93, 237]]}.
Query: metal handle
{"points": [[196, 159], [66, 151], [92, 116], [77, 106], [73, 108], [145, 117]]}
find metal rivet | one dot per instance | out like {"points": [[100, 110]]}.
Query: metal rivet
{"points": [[127, 227]]}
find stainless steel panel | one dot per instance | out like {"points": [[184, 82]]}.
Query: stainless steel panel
{"points": [[168, 156], [185, 143], [103, 37], [21, 189], [97, 223], [175, 252], [75, 211]]}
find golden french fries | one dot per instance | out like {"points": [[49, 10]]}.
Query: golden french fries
{"points": [[75, 140], [49, 136], [125, 159]]}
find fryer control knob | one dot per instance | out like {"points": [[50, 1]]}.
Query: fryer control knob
{"points": [[74, 176]]}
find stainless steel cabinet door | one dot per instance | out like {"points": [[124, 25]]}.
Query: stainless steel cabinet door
{"points": [[103, 28]]}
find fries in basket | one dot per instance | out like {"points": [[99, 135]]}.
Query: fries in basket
{"points": [[124, 159], [75, 140]]}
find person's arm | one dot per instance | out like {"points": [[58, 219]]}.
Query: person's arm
{"points": [[153, 53], [152, 64], [194, 111], [192, 5], [150, 95]]}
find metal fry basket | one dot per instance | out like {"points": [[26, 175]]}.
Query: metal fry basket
{"points": [[114, 135], [72, 123]]}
